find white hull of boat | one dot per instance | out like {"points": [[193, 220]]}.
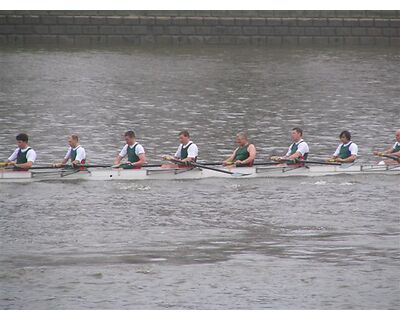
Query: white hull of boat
{"points": [[195, 173]]}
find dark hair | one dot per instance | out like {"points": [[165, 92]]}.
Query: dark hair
{"points": [[298, 130], [130, 134], [185, 133], [22, 137], [345, 133]]}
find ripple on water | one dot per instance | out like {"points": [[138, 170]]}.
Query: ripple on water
{"points": [[276, 243]]}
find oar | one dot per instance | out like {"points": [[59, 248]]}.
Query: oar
{"points": [[93, 166], [254, 164], [221, 163], [195, 164], [265, 163], [311, 162], [390, 157], [142, 166], [319, 162], [5, 164]]}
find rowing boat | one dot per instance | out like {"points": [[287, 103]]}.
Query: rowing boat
{"points": [[159, 173]]}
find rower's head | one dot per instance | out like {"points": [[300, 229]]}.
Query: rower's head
{"points": [[297, 134], [398, 135], [130, 137], [345, 136], [184, 137], [242, 139], [73, 140], [22, 140]]}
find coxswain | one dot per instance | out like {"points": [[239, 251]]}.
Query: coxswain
{"points": [[244, 154], [133, 150]]}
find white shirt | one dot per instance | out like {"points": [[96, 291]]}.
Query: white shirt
{"points": [[395, 145], [139, 149], [80, 153], [30, 155], [302, 147], [353, 149], [193, 151]]}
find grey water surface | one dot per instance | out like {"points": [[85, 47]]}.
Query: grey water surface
{"points": [[288, 243]]}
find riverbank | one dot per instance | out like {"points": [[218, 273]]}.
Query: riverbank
{"points": [[265, 28]]}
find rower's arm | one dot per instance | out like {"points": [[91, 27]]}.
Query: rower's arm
{"points": [[13, 157], [26, 165], [188, 159], [387, 151], [61, 164], [350, 159], [229, 160], [118, 159], [142, 160], [294, 156]]}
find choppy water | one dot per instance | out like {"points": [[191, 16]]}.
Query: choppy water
{"points": [[279, 243]]}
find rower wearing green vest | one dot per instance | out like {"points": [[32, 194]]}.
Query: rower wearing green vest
{"points": [[76, 154], [298, 150], [244, 154], [24, 156], [133, 151], [187, 151], [347, 151], [393, 151]]}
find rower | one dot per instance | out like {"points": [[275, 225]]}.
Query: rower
{"points": [[75, 154], [393, 151], [133, 150], [347, 151], [244, 154], [24, 156], [187, 151], [298, 150]]}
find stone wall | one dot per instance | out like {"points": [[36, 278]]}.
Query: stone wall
{"points": [[74, 28]]}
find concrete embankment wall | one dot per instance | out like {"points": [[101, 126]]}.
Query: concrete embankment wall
{"points": [[271, 28]]}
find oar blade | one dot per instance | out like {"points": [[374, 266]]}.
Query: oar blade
{"points": [[240, 174]]}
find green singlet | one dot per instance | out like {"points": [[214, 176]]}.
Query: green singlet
{"points": [[132, 157], [345, 152], [21, 157], [184, 151], [242, 153]]}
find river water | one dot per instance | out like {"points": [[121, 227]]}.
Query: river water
{"points": [[331, 242]]}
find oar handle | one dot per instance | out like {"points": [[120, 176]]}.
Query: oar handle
{"points": [[390, 157], [319, 162], [196, 165], [5, 164], [297, 161]]}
